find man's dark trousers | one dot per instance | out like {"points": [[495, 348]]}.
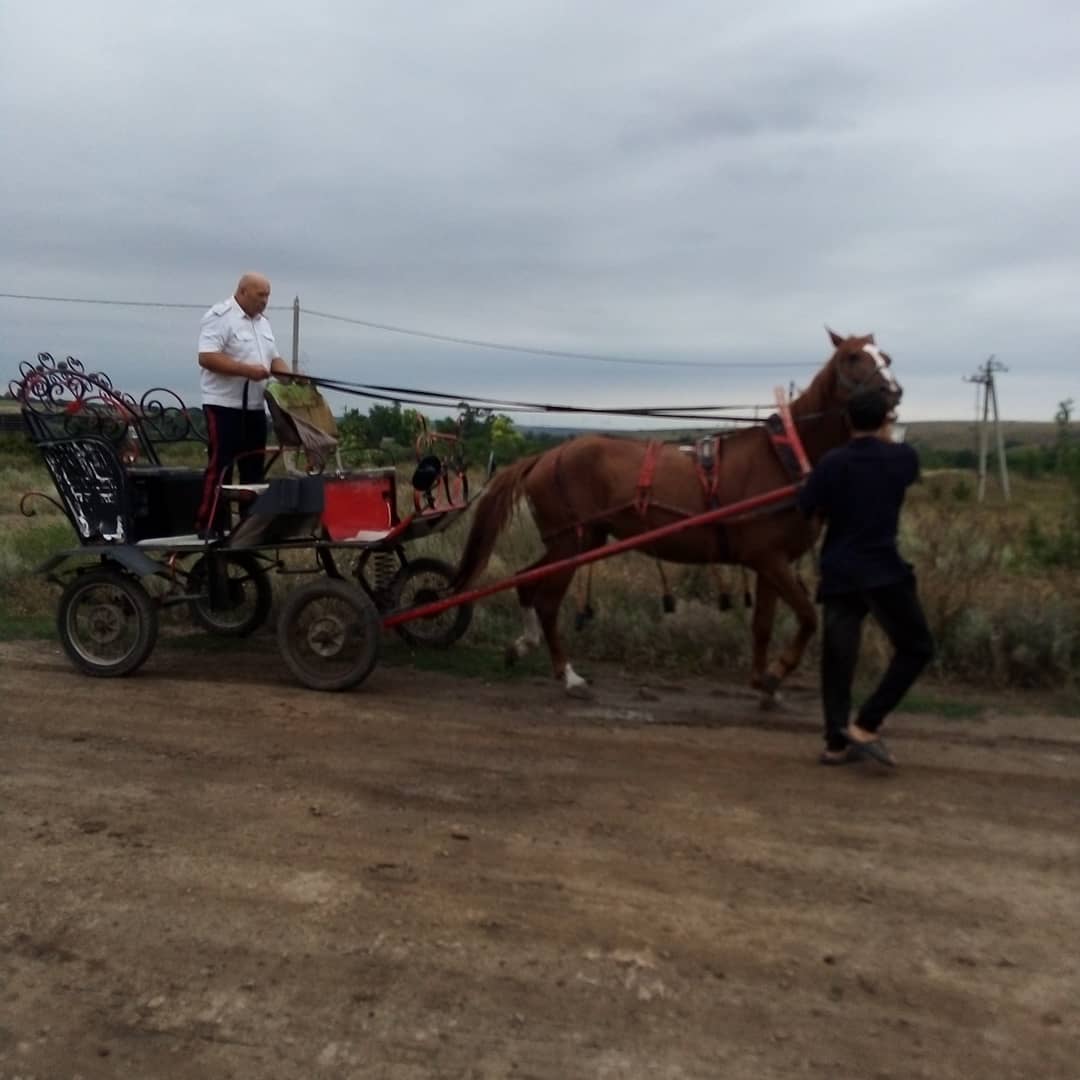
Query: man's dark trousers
{"points": [[236, 437], [897, 610]]}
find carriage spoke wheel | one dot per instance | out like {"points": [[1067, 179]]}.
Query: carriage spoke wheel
{"points": [[249, 596], [107, 623], [328, 633], [423, 581]]}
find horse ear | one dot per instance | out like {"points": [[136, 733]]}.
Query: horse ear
{"points": [[836, 339]]}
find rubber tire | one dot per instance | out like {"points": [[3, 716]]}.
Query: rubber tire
{"points": [[144, 609], [361, 605], [203, 615], [413, 632]]}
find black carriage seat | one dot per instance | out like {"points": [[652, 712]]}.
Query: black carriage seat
{"points": [[107, 502], [93, 487], [165, 501]]}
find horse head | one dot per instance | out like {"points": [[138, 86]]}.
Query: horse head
{"points": [[858, 365]]}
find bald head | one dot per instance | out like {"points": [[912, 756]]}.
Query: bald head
{"points": [[253, 294]]}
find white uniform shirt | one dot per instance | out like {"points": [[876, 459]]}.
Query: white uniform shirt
{"points": [[226, 329]]}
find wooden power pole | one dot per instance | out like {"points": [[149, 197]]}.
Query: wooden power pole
{"points": [[296, 334], [986, 402]]}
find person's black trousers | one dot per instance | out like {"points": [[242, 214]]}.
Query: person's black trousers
{"points": [[899, 613], [236, 437]]}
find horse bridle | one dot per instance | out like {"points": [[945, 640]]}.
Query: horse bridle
{"points": [[879, 379]]}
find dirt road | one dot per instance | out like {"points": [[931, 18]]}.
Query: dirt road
{"points": [[208, 872]]}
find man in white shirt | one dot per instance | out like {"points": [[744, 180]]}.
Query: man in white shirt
{"points": [[237, 354]]}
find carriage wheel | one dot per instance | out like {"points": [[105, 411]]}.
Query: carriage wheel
{"points": [[424, 581], [328, 633], [107, 623], [249, 592]]}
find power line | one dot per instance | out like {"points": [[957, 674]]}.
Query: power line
{"points": [[110, 303], [559, 353], [433, 399], [431, 335]]}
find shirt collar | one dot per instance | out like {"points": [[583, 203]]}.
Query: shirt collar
{"points": [[243, 313]]}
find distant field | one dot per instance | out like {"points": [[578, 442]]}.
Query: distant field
{"points": [[10, 421], [960, 434], [930, 435]]}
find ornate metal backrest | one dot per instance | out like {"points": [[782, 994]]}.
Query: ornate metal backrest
{"points": [[60, 399], [92, 485]]}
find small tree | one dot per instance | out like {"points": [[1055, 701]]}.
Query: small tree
{"points": [[507, 443]]}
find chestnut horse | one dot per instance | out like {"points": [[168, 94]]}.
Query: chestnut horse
{"points": [[587, 489]]}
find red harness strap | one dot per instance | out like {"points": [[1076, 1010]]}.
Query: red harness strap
{"points": [[787, 441], [645, 477]]}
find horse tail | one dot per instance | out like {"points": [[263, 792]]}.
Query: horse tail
{"points": [[493, 510]]}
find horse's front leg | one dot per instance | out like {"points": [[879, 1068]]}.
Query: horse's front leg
{"points": [[790, 589], [761, 630]]}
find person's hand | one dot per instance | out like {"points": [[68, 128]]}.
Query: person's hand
{"points": [[257, 374], [291, 376]]}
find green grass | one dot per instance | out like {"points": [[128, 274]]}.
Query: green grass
{"points": [[1002, 617], [198, 640], [476, 662], [469, 661], [462, 660], [1066, 704], [16, 626], [946, 707]]}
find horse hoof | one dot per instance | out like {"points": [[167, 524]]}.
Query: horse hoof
{"points": [[510, 657], [580, 692], [770, 702]]}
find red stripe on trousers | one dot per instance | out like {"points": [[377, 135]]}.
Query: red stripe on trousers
{"points": [[212, 469]]}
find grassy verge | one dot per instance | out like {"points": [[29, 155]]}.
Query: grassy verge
{"points": [[1003, 617], [15, 627], [938, 701]]}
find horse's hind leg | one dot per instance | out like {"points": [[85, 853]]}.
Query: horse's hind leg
{"points": [[531, 633], [547, 600], [541, 600]]}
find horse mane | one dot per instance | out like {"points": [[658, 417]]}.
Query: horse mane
{"points": [[493, 510], [822, 390]]}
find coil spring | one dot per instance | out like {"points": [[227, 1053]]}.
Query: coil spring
{"points": [[383, 569]]}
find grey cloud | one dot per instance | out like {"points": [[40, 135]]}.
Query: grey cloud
{"points": [[681, 181]]}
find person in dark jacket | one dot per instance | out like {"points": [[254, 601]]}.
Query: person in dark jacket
{"points": [[859, 490]]}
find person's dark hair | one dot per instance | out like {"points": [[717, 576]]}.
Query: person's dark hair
{"points": [[868, 411]]}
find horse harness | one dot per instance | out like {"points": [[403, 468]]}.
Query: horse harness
{"points": [[707, 456]]}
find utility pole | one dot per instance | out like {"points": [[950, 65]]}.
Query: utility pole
{"points": [[296, 334], [986, 400]]}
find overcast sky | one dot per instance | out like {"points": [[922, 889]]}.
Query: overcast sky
{"points": [[705, 183]]}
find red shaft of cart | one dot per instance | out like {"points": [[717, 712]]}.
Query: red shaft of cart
{"points": [[743, 506]]}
